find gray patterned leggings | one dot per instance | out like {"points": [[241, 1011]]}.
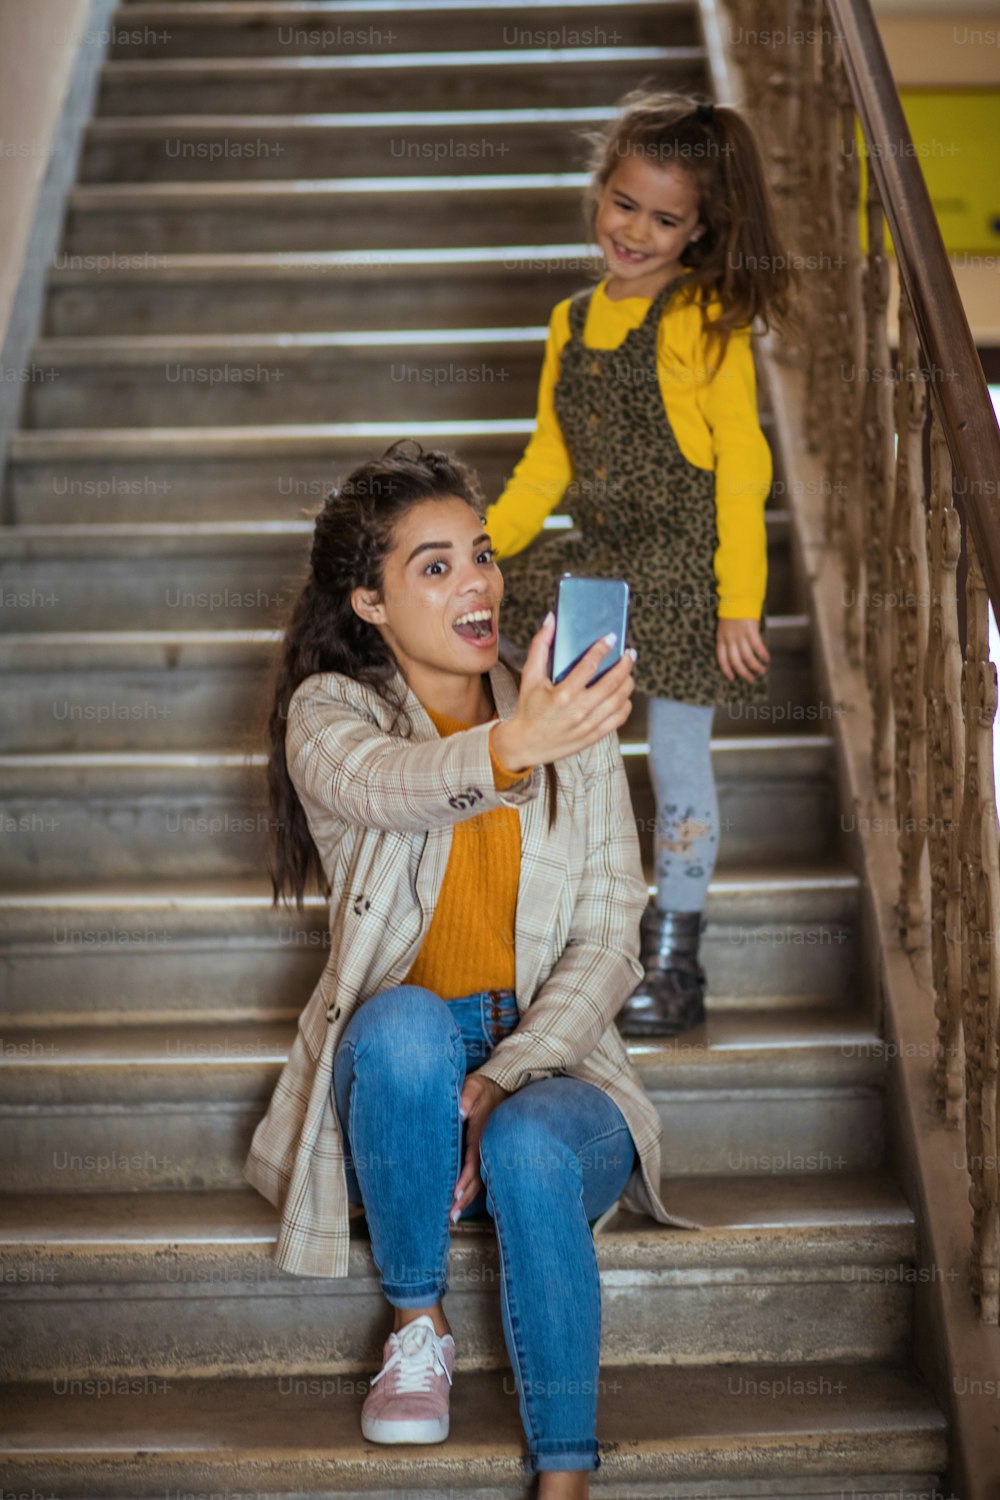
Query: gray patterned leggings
{"points": [[687, 804]]}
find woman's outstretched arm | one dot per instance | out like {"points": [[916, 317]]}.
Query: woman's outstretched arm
{"points": [[340, 759]]}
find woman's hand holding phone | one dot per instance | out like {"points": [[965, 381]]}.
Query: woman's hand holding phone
{"points": [[554, 720]]}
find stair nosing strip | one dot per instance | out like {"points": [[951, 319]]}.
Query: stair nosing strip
{"points": [[216, 13], [114, 197], [218, 69], [179, 896], [320, 120], [738, 746]]}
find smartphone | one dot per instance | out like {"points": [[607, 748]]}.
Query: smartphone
{"points": [[586, 609]]}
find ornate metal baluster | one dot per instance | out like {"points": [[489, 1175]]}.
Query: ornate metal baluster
{"points": [[848, 471], [877, 464], [980, 916], [910, 614], [945, 774], [823, 372]]}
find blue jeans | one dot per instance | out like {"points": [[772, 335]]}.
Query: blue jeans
{"points": [[553, 1156]]}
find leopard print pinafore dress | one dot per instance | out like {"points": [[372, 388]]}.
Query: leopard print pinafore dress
{"points": [[640, 511]]}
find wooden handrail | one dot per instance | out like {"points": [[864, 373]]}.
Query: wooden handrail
{"points": [[956, 373]]}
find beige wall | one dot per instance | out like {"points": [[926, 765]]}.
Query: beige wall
{"points": [[932, 45], [951, 49], [38, 45]]}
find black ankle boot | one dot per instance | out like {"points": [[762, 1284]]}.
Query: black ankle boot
{"points": [[671, 996]]}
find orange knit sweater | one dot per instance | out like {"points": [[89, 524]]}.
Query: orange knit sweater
{"points": [[470, 943]]}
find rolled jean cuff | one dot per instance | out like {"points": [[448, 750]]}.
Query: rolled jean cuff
{"points": [[424, 1294], [549, 1455]]}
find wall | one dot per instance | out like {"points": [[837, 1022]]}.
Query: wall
{"points": [[50, 56], [38, 46], [929, 44]]}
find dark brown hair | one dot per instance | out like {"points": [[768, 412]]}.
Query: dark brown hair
{"points": [[739, 257], [353, 536]]}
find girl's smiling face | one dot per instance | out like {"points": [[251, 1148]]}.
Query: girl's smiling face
{"points": [[647, 214], [439, 570]]}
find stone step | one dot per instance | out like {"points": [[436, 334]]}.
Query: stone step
{"points": [[108, 816], [787, 1268], [174, 1107], [200, 381], [291, 292], [117, 475], [499, 78], [818, 1431], [309, 30], [257, 148], [188, 690], [192, 575], [334, 213], [201, 951]]}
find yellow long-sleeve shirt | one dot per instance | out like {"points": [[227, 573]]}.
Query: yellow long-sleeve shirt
{"points": [[469, 945], [714, 419]]}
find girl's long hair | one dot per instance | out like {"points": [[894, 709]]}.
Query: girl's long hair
{"points": [[739, 257], [354, 534]]}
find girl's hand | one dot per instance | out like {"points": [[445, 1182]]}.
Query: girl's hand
{"points": [[740, 650], [480, 1096], [556, 720]]}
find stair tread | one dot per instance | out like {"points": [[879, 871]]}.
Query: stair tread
{"points": [[76, 651], [753, 1210], [653, 1419], [766, 1051], [199, 894]]}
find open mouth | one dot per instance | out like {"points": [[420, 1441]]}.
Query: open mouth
{"points": [[632, 256], [476, 626]]}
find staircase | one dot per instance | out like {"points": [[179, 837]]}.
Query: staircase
{"points": [[301, 231]]}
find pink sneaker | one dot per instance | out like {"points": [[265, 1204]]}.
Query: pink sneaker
{"points": [[411, 1404]]}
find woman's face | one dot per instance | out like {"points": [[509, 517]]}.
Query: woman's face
{"points": [[439, 571], [646, 215]]}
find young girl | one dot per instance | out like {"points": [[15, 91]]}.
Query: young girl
{"points": [[647, 421], [459, 1052]]}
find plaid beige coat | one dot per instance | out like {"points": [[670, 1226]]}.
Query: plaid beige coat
{"points": [[381, 809]]}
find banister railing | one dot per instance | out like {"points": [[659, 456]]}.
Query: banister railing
{"points": [[910, 454]]}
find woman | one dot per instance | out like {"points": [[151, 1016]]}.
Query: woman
{"points": [[459, 1052]]}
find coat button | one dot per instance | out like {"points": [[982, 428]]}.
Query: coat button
{"points": [[595, 367], [594, 419], [599, 517]]}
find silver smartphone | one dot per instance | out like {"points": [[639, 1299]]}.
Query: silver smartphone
{"points": [[586, 609]]}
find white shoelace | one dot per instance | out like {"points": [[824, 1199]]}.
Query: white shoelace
{"points": [[415, 1359]]}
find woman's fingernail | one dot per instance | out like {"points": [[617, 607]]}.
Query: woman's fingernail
{"points": [[462, 1115], [633, 652], [459, 1193], [611, 637], [548, 619]]}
